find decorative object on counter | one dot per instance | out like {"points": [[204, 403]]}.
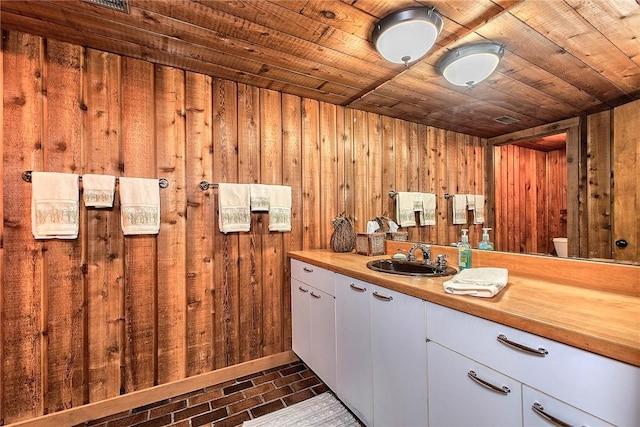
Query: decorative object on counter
{"points": [[54, 205], [139, 205], [343, 238], [464, 251], [98, 190], [483, 282], [370, 243]]}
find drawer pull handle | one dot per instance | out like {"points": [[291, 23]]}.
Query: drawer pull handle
{"points": [[307, 269], [382, 297], [357, 288], [537, 352], [502, 390], [315, 295], [539, 409], [300, 288]]}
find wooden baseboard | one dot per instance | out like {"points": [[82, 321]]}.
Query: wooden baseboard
{"points": [[135, 399]]}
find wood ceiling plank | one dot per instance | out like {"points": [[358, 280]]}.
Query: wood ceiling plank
{"points": [[565, 27], [536, 48]]}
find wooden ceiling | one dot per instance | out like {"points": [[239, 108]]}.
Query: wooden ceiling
{"points": [[563, 58]]}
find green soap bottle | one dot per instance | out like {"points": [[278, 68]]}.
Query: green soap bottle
{"points": [[485, 244], [464, 251]]}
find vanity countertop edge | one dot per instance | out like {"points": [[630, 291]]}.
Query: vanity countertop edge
{"points": [[604, 323]]}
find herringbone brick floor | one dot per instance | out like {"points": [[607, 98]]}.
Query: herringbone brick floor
{"points": [[227, 404]]}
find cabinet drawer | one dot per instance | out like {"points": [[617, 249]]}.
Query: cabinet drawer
{"points": [[315, 276], [575, 376], [540, 409]]}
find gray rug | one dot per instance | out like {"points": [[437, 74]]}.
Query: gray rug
{"points": [[322, 410]]}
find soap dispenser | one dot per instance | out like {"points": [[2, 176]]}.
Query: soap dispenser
{"points": [[485, 244], [464, 251]]}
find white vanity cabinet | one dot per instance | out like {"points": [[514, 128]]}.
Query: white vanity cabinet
{"points": [[463, 392], [313, 319], [381, 351], [604, 388]]}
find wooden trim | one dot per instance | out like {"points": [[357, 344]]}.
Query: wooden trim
{"points": [[537, 131], [135, 399]]}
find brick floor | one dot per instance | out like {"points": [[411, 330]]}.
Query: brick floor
{"points": [[225, 405]]}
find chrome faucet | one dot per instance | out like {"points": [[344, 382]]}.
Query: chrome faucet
{"points": [[426, 253]]}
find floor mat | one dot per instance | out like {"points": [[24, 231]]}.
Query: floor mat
{"points": [[322, 410]]}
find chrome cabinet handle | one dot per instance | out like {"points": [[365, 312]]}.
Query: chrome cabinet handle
{"points": [[307, 269], [315, 295], [300, 288], [536, 352], [502, 390], [382, 297], [357, 288], [539, 409]]}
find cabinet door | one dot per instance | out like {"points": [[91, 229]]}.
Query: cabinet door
{"points": [[455, 399], [323, 336], [541, 410], [353, 341], [399, 353], [301, 320]]}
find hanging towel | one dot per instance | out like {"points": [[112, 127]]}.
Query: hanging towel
{"points": [[428, 213], [405, 213], [54, 205], [139, 205], [480, 282], [471, 202], [459, 209], [279, 208], [98, 190], [234, 212], [259, 197], [478, 212]]}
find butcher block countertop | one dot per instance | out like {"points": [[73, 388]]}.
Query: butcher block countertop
{"points": [[593, 318]]}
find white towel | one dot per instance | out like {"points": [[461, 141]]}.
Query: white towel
{"points": [[480, 282], [98, 190], [428, 213], [139, 205], [54, 205], [279, 208], [259, 197], [405, 209], [471, 202], [234, 212], [459, 209], [478, 212]]}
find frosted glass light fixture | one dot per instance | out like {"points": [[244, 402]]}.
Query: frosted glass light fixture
{"points": [[469, 65], [407, 35]]}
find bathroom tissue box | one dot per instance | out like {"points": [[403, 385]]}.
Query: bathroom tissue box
{"points": [[370, 244]]}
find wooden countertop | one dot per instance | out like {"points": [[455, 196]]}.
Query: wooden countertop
{"points": [[599, 321]]}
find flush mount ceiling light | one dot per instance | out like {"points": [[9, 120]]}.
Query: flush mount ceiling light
{"points": [[407, 35], [469, 65]]}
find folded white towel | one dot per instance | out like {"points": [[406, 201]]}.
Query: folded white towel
{"points": [[428, 213], [480, 282], [54, 205], [234, 213], [139, 205], [471, 202], [478, 212], [405, 209], [279, 208], [459, 209], [259, 197], [98, 190]]}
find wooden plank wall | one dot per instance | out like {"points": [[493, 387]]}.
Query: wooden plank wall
{"points": [[530, 198], [89, 319]]}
